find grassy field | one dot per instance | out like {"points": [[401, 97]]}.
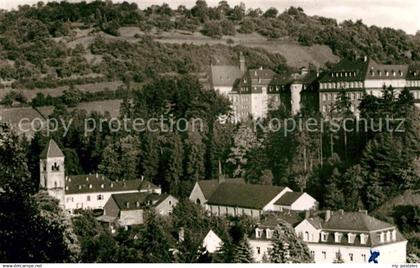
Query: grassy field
{"points": [[295, 54]]}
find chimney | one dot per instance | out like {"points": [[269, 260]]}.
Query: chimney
{"points": [[221, 175], [142, 177], [97, 176], [365, 58], [327, 215], [242, 63], [307, 214]]}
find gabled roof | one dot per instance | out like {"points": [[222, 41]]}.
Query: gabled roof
{"points": [[273, 219], [413, 72], [209, 186], [315, 222], [354, 221], [346, 70], [97, 183], [51, 150], [224, 75], [288, 198], [136, 201], [244, 195], [386, 71]]}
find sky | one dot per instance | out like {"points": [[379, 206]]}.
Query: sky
{"points": [[399, 14]]}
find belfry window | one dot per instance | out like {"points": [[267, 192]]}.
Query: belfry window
{"points": [[55, 167]]}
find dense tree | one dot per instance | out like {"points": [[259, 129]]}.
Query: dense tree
{"points": [[287, 247]]}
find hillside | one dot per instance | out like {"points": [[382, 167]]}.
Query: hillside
{"points": [[57, 44]]}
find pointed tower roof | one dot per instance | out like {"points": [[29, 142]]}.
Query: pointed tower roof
{"points": [[51, 150]]}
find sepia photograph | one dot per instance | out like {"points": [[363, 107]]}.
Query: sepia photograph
{"points": [[144, 132]]}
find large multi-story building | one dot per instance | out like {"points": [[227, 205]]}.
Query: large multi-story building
{"points": [[254, 92], [351, 237], [235, 198]]}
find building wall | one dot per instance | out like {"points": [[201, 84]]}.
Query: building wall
{"points": [[90, 200], [166, 207], [305, 202], [223, 90], [296, 89], [260, 248], [131, 217], [197, 195], [379, 83], [259, 103], [271, 206], [391, 253], [111, 208], [241, 105], [307, 232], [212, 242], [231, 211]]}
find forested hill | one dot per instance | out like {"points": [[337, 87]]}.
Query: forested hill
{"points": [[30, 36]]}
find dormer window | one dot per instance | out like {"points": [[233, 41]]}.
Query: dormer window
{"points": [[137, 204], [350, 238], [269, 233], [90, 186], [381, 237], [363, 238], [394, 235], [387, 73], [102, 186], [324, 236], [388, 236], [127, 205], [258, 233], [337, 237]]}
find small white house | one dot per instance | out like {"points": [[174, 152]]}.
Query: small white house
{"points": [[212, 242]]}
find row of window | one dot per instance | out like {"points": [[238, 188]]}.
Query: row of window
{"points": [[88, 198], [339, 256], [339, 85], [387, 73], [413, 83], [333, 96]]}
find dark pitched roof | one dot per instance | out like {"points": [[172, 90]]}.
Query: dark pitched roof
{"points": [[386, 71], [98, 183], [224, 75], [315, 222], [209, 186], [51, 150], [244, 195], [354, 221], [272, 220], [346, 70], [135, 201], [288, 198], [130, 201], [413, 72]]}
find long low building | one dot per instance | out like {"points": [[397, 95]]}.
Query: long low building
{"points": [[350, 237], [233, 197]]}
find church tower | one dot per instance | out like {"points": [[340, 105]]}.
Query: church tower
{"points": [[52, 175]]}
